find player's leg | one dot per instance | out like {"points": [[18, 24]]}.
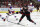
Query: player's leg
{"points": [[3, 19], [9, 12], [21, 18], [28, 18], [37, 9], [12, 12]]}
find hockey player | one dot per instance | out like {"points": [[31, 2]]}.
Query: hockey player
{"points": [[37, 7], [10, 10], [26, 13], [30, 7]]}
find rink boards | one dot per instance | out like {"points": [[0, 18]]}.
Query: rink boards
{"points": [[5, 10]]}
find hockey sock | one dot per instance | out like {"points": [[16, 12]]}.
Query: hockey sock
{"points": [[20, 19]]}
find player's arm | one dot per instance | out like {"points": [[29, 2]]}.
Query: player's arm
{"points": [[21, 11]]}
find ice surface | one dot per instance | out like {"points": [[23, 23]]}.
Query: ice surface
{"points": [[35, 16]]}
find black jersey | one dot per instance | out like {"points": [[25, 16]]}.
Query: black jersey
{"points": [[25, 11]]}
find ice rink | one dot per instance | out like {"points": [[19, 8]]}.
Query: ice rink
{"points": [[35, 16]]}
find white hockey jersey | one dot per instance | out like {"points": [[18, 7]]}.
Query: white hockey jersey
{"points": [[11, 9]]}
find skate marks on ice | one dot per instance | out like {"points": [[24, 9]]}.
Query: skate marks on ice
{"points": [[36, 20], [13, 21], [16, 23], [35, 16]]}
